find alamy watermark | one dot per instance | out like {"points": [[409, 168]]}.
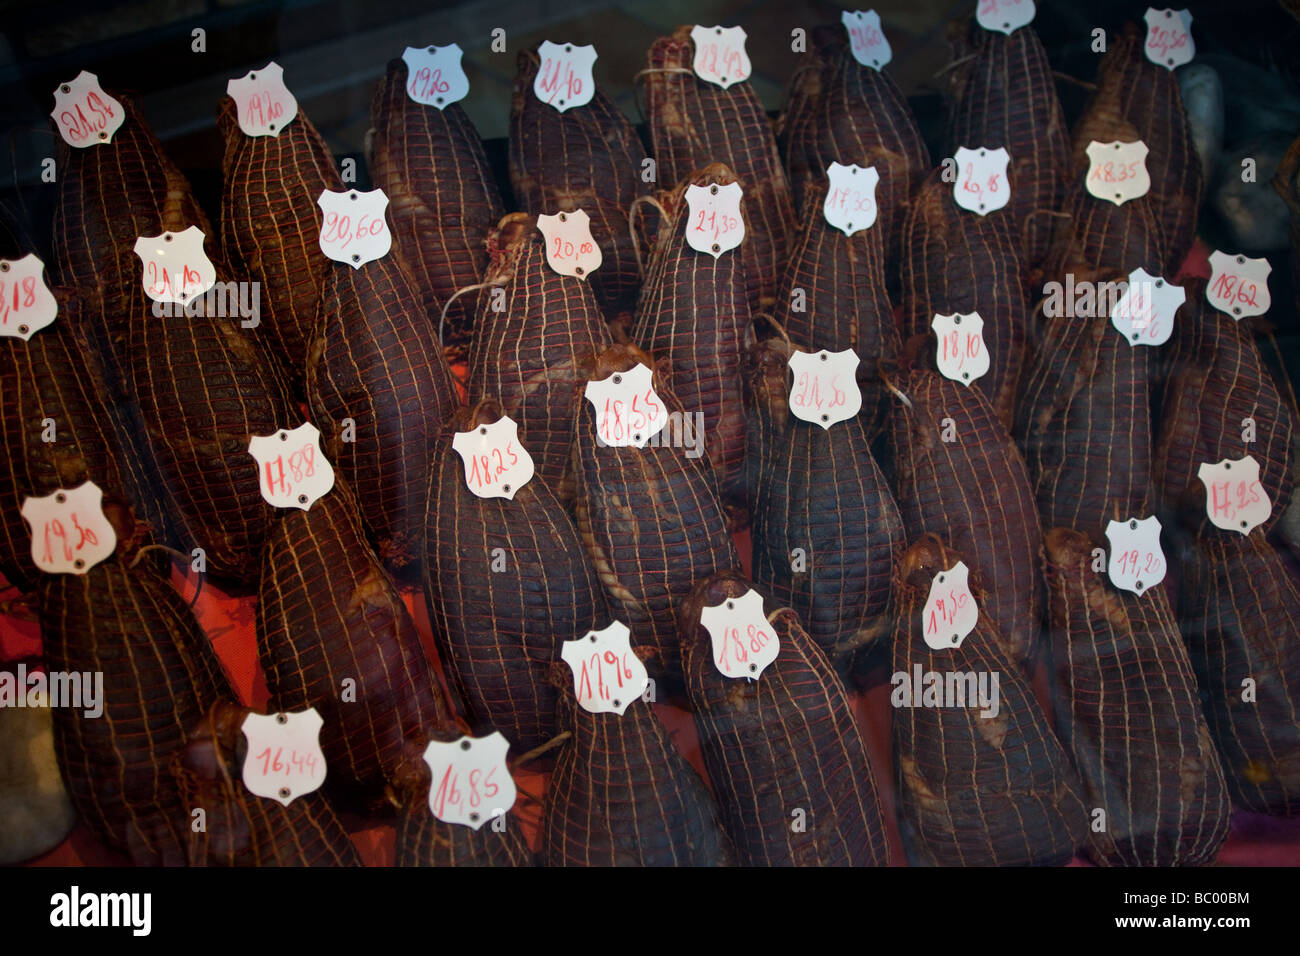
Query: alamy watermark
{"points": [[1083, 300], [225, 300], [682, 430], [924, 688], [76, 690]]}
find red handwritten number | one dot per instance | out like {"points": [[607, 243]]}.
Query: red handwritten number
{"points": [[340, 231], [945, 611], [13, 298], [559, 79], [426, 82], [1234, 289]]}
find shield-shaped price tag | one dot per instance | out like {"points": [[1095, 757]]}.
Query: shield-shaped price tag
{"points": [[714, 224], [744, 643], [1144, 314], [570, 249], [84, 114], [70, 534], [284, 759], [26, 303], [1238, 285], [470, 782], [564, 79], [1137, 562], [950, 611], [851, 198], [961, 353], [1117, 172], [176, 269], [496, 463], [353, 229], [293, 471], [1234, 498], [607, 676], [982, 185], [825, 389], [720, 56], [434, 75], [629, 412], [263, 103], [1169, 37], [867, 40], [1004, 16]]}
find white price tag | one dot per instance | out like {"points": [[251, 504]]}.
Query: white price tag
{"points": [[1137, 562], [961, 353], [1238, 285], [293, 470], [284, 759], [570, 249], [950, 611], [982, 186], [867, 40], [825, 389], [564, 79], [470, 782], [720, 56], [496, 464], [1234, 498], [354, 230], [263, 103], [629, 412], [607, 676], [84, 114], [26, 303], [1004, 16], [744, 643], [434, 75], [70, 534], [176, 269], [1117, 172], [851, 198], [1169, 37], [714, 224], [1144, 314]]}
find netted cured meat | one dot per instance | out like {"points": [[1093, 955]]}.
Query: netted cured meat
{"points": [[327, 613], [1128, 713], [270, 225], [957, 261], [833, 293], [109, 196], [159, 676], [529, 356], [621, 794], [825, 526], [693, 312], [1137, 99], [649, 517], [375, 364], [585, 157], [981, 779], [1240, 615], [959, 474], [693, 123], [1085, 425], [203, 390], [240, 828], [509, 581], [424, 840], [442, 198], [1003, 95], [841, 111], [1219, 380], [786, 739], [46, 379]]}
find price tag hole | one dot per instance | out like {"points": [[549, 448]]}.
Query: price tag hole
{"points": [[302, 499], [79, 564], [60, 497], [284, 436], [281, 718], [167, 238], [616, 703], [593, 638], [65, 88], [24, 329], [731, 605], [284, 793], [618, 379], [464, 745], [483, 430], [753, 667]]}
